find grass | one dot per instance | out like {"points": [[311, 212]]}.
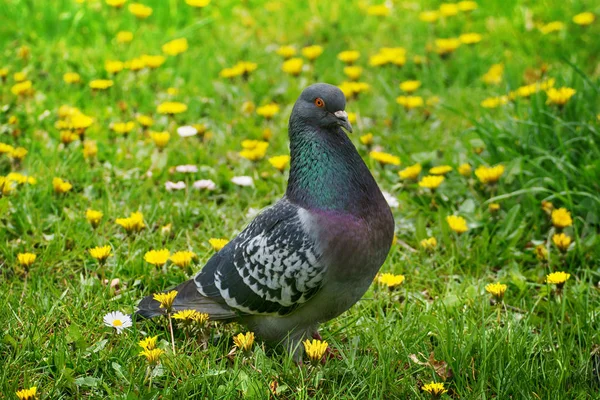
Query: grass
{"points": [[438, 326]]}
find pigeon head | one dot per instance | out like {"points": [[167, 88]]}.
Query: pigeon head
{"points": [[322, 106]]}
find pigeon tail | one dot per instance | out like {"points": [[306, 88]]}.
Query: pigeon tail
{"points": [[188, 298]]}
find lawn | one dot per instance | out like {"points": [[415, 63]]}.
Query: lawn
{"points": [[169, 120]]}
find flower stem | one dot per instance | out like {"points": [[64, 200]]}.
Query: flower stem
{"points": [[171, 330]]}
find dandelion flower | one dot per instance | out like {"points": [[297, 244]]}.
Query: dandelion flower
{"points": [[134, 223], [157, 257], [160, 139], [410, 86], [489, 175], [348, 56], [165, 299], [153, 62], [494, 75], [429, 243], [561, 241], [22, 88], [367, 139], [493, 207], [584, 19], [114, 67], [244, 342], [446, 46], [293, 66], [148, 343], [101, 84], [268, 111], [117, 320], [555, 26], [557, 278], [466, 6], [286, 51], [145, 120], [100, 253], [547, 206], [171, 108], [384, 158], [197, 3], [26, 259], [494, 102], [152, 356], [123, 128], [182, 258], [429, 16], [410, 102], [315, 349], [470, 38], [497, 290], [27, 394], [312, 52], [353, 72], [464, 169], [390, 280], [218, 244], [541, 253], [60, 186], [457, 224], [116, 3], [280, 162], [561, 218], [559, 96], [440, 170], [434, 389], [124, 37], [411, 172], [378, 10], [90, 149], [71, 77], [141, 11], [175, 47], [431, 181]]}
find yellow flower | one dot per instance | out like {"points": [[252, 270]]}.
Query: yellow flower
{"points": [[411, 172], [429, 16], [429, 243], [457, 224], [123, 127], [348, 56], [175, 47], [384, 158], [410, 86], [315, 350], [585, 18], [248, 107], [93, 217], [3, 72], [165, 299], [6, 186], [446, 46], [171, 108], [153, 62], [182, 258], [497, 290], [561, 218], [493, 207], [410, 102], [90, 149], [100, 253], [145, 120], [198, 3], [352, 89], [26, 259], [268, 111], [470, 38], [312, 52], [547, 206], [116, 3], [22, 88], [6, 148], [557, 278], [434, 389], [489, 175], [149, 343], [191, 316], [440, 170], [431, 181], [157, 257], [218, 244], [280, 162], [353, 72], [561, 241], [494, 102], [466, 6], [494, 75], [160, 139], [139, 10], [244, 342], [135, 64], [379, 10], [19, 77], [19, 153], [61, 186], [448, 9], [20, 178], [101, 84], [390, 280], [367, 139], [114, 67], [541, 252], [293, 66], [559, 96], [254, 150], [27, 394], [67, 137], [352, 117], [555, 26], [134, 223], [124, 37], [465, 169], [71, 77], [286, 51], [152, 356]]}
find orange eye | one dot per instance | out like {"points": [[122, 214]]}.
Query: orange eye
{"points": [[319, 102]]}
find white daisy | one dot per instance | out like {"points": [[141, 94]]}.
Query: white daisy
{"points": [[391, 200], [117, 320], [187, 131], [205, 184], [174, 185], [242, 180], [186, 169]]}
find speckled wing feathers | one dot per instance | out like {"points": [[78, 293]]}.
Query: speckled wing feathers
{"points": [[271, 267]]}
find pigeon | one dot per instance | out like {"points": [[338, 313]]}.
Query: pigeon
{"points": [[312, 255]]}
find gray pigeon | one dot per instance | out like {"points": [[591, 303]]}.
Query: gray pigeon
{"points": [[314, 253]]}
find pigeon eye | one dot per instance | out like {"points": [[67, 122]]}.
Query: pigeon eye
{"points": [[319, 102]]}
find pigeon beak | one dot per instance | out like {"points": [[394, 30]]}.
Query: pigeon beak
{"points": [[342, 117]]}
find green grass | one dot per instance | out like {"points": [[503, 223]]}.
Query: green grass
{"points": [[52, 331]]}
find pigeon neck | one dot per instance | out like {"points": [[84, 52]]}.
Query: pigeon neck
{"points": [[327, 173]]}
